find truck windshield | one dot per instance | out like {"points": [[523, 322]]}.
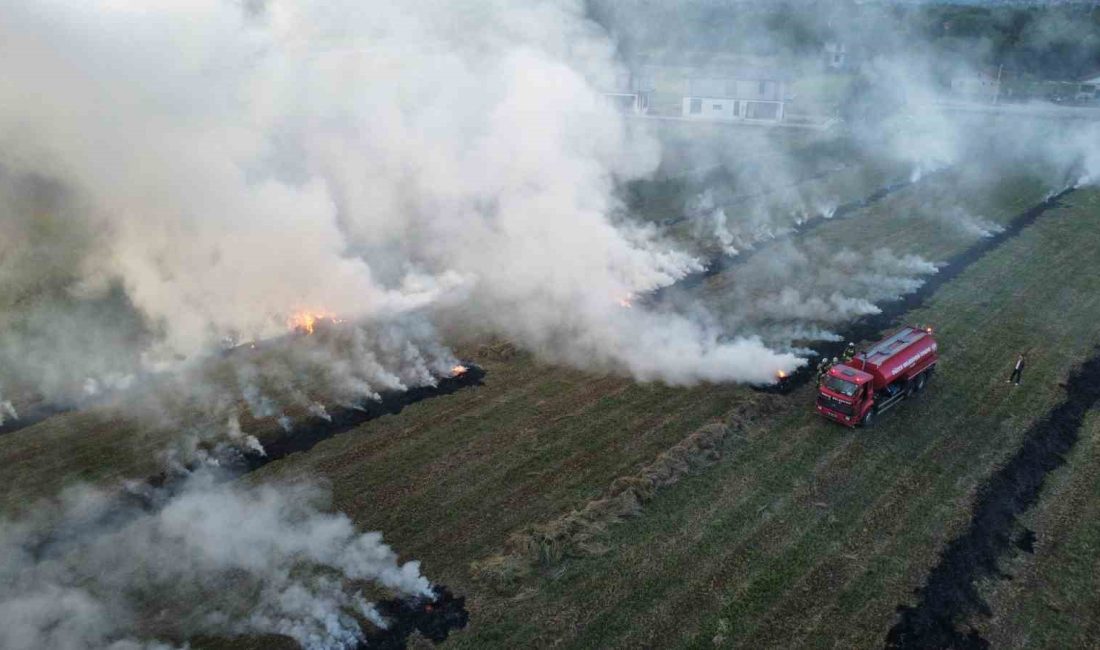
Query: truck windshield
{"points": [[838, 385]]}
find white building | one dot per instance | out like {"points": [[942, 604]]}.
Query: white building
{"points": [[753, 96], [637, 103], [630, 92], [1088, 88], [981, 87], [836, 55]]}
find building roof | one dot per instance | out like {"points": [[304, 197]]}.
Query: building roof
{"points": [[711, 64], [986, 74], [745, 73], [1091, 78], [725, 86], [624, 82]]}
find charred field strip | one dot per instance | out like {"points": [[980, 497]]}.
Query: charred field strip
{"points": [[950, 595], [718, 174], [473, 455], [306, 435], [33, 415], [869, 327], [769, 565], [433, 617], [722, 263], [670, 191]]}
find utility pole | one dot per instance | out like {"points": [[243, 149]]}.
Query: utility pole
{"points": [[997, 90]]}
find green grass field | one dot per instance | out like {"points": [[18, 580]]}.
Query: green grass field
{"points": [[803, 534]]}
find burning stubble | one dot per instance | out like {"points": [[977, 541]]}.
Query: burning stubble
{"points": [[266, 216], [203, 557], [371, 200]]}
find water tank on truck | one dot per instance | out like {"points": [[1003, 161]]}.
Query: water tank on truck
{"points": [[859, 390]]}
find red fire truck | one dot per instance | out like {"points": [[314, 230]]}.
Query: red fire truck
{"points": [[857, 391]]}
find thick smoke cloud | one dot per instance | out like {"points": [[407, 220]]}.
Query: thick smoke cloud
{"points": [[182, 177], [214, 559], [366, 159], [51, 322], [795, 292], [288, 380], [894, 111]]}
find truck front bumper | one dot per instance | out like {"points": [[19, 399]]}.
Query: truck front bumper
{"points": [[846, 420]]}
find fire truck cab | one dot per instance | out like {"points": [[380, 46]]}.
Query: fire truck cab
{"points": [[857, 391]]}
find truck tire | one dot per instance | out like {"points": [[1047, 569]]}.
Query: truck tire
{"points": [[868, 420], [920, 381]]}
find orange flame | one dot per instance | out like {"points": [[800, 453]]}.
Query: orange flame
{"points": [[779, 374], [458, 371], [306, 322], [627, 301]]}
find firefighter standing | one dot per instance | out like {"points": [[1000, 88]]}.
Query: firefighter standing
{"points": [[1018, 369], [849, 352]]}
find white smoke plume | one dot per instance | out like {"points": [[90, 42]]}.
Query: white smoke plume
{"points": [[214, 559], [710, 221], [764, 197], [791, 304], [795, 291], [287, 381], [240, 438], [7, 409], [362, 158], [967, 223]]}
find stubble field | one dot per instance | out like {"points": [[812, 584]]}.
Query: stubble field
{"points": [[797, 533]]}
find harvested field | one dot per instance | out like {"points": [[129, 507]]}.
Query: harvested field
{"points": [[726, 552], [950, 595], [1048, 597], [579, 533], [360, 325], [805, 553]]}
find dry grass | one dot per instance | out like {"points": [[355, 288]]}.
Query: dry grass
{"points": [[580, 532], [802, 534], [497, 350]]}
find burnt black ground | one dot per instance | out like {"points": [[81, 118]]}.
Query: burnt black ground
{"points": [[950, 594], [305, 435], [432, 617], [435, 618], [723, 176], [33, 415], [871, 327], [150, 494], [233, 462], [722, 263]]}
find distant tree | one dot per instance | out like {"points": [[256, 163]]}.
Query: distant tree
{"points": [[1051, 42]]}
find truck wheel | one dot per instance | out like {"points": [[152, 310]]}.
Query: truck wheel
{"points": [[868, 420], [920, 381]]}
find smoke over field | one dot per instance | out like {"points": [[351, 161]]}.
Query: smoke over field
{"points": [[453, 165], [359, 159], [87, 572], [219, 210], [223, 218]]}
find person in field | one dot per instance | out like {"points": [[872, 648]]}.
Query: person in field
{"points": [[1017, 370]]}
